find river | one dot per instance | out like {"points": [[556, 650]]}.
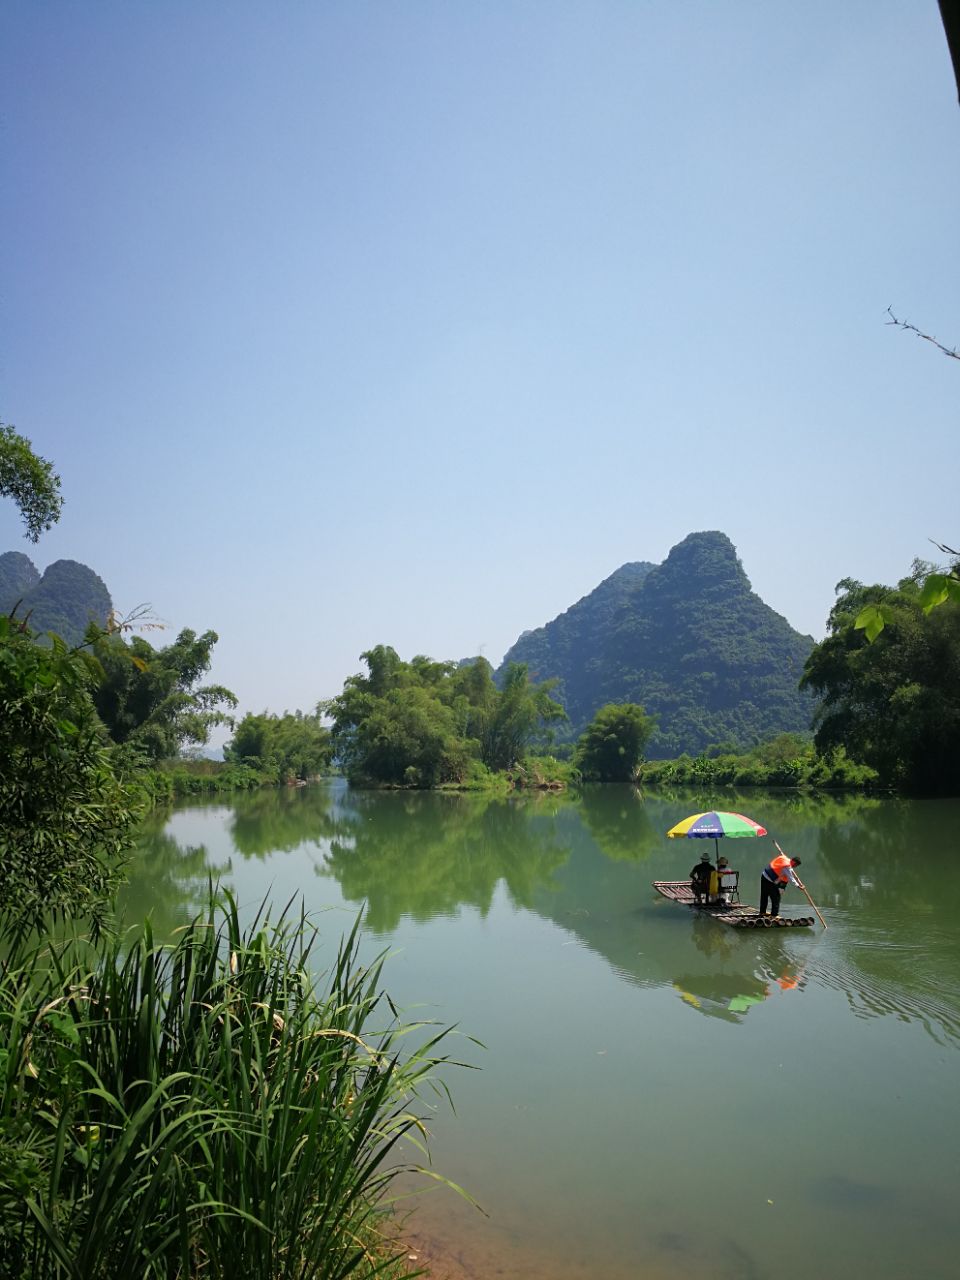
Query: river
{"points": [[658, 1097]]}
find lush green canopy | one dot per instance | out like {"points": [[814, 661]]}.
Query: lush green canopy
{"points": [[151, 698], [30, 481], [284, 747], [612, 745], [63, 814], [895, 703], [423, 723]]}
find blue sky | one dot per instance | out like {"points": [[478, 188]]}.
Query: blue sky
{"points": [[408, 323]]}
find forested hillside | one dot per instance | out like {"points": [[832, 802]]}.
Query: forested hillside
{"points": [[65, 599], [689, 640]]}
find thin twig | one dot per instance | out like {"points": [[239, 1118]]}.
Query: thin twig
{"points": [[952, 352]]}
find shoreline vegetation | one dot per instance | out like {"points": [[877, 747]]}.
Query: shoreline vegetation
{"points": [[785, 763]]}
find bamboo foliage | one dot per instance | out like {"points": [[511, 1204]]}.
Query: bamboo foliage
{"points": [[204, 1108]]}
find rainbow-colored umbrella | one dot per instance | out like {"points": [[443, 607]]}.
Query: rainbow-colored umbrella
{"points": [[715, 825]]}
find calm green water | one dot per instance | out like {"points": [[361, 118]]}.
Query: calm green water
{"points": [[659, 1096]]}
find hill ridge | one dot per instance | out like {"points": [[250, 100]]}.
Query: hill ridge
{"points": [[689, 639], [65, 598]]}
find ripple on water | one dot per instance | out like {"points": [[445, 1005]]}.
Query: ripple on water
{"points": [[885, 978]]}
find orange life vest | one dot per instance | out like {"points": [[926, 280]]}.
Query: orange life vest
{"points": [[778, 866]]}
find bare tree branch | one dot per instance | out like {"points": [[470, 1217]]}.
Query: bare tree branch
{"points": [[952, 352]]}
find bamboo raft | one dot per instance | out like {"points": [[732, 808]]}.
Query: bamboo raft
{"points": [[736, 916]]}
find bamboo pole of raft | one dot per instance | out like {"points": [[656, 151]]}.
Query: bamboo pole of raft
{"points": [[804, 888]]}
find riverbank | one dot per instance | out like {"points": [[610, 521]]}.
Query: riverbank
{"points": [[181, 779], [785, 761]]}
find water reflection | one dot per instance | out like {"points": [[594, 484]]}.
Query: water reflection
{"points": [[886, 874], [421, 855], [736, 979], [533, 923], [281, 819], [620, 822], [586, 863], [647, 940], [169, 877]]}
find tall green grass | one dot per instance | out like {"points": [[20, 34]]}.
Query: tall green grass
{"points": [[206, 1108]]}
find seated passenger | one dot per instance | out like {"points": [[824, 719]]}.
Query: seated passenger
{"points": [[700, 878]]}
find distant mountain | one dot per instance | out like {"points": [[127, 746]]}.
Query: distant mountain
{"points": [[65, 599], [689, 640], [572, 646], [18, 575]]}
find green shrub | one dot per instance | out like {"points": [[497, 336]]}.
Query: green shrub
{"points": [[197, 777], [546, 771], [66, 816], [784, 761]]}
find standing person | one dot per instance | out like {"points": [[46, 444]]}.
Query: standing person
{"points": [[776, 875]]}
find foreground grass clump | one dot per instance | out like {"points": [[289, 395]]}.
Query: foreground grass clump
{"points": [[202, 1109]]}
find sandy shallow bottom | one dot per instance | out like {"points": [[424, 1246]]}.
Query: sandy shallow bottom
{"points": [[452, 1260], [465, 1249]]}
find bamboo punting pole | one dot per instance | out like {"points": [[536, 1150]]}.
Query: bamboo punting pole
{"points": [[804, 888]]}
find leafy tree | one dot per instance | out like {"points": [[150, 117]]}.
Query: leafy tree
{"points": [[357, 700], [612, 746], [938, 586], [409, 737], [30, 481], [286, 747], [63, 814], [894, 704], [474, 695], [393, 725], [521, 711], [150, 698], [421, 723], [253, 741]]}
